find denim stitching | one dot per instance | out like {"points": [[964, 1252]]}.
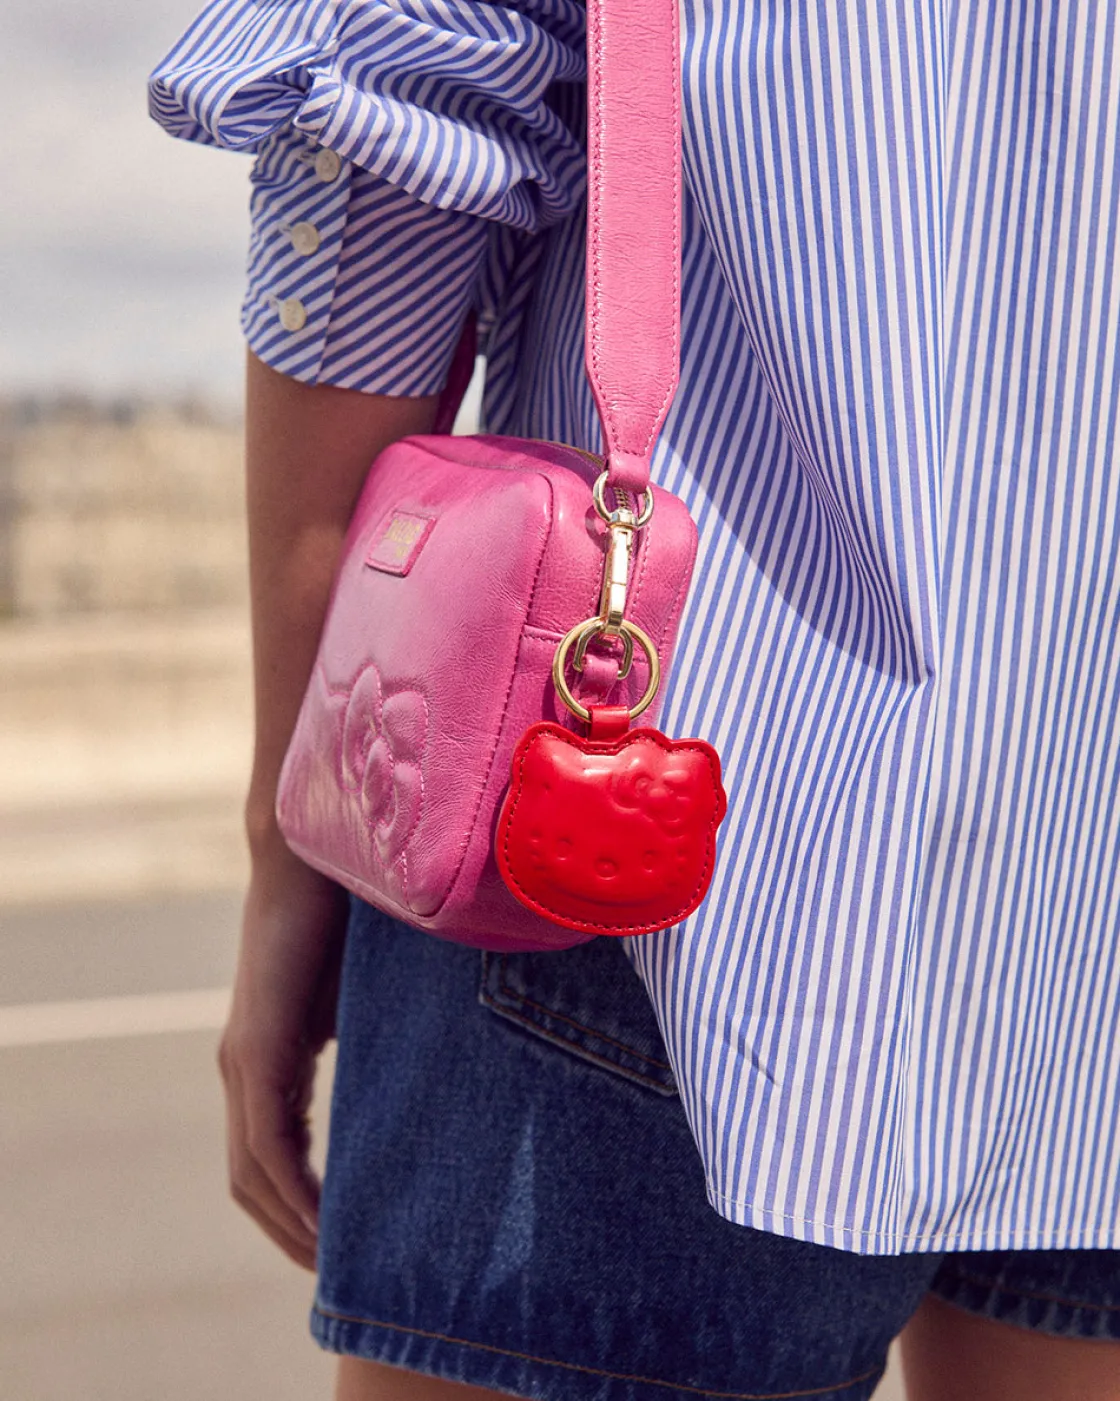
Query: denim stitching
{"points": [[534, 1025], [615, 1067], [504, 987], [593, 1371]]}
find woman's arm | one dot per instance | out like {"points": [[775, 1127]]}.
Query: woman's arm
{"points": [[308, 449]]}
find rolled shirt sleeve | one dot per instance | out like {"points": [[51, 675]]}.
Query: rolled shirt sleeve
{"points": [[389, 140]]}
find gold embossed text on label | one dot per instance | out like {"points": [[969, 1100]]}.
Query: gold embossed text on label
{"points": [[400, 540]]}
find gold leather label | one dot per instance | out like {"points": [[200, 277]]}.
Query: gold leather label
{"points": [[400, 540]]}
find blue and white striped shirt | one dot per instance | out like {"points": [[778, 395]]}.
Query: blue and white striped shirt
{"points": [[895, 1020]]}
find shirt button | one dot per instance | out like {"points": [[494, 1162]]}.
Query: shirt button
{"points": [[305, 237], [328, 165], [293, 314]]}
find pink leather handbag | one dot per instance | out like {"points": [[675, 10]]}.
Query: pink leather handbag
{"points": [[490, 584]]}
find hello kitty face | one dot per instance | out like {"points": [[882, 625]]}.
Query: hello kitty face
{"points": [[630, 830]]}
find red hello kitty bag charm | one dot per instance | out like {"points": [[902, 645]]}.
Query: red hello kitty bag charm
{"points": [[613, 832]]}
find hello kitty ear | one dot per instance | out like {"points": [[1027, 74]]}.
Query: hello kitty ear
{"points": [[695, 764], [542, 766]]}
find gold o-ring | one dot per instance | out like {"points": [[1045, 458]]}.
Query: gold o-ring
{"points": [[631, 630]]}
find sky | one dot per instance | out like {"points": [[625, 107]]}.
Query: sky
{"points": [[121, 250]]}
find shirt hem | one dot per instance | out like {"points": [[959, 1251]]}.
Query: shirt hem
{"points": [[858, 1241]]}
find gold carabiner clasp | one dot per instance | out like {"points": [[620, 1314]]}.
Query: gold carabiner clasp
{"points": [[616, 572], [622, 525]]}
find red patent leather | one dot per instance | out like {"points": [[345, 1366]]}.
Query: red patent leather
{"points": [[610, 837]]}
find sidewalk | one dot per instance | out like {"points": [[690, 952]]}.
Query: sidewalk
{"points": [[124, 752]]}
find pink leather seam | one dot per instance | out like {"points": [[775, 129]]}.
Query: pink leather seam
{"points": [[676, 317], [403, 858], [639, 574], [344, 876], [635, 737], [444, 448], [500, 729], [675, 332], [670, 622], [402, 863], [678, 602], [595, 134]]}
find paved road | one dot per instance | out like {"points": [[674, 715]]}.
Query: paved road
{"points": [[125, 1275]]}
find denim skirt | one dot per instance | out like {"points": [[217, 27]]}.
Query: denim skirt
{"points": [[513, 1200]]}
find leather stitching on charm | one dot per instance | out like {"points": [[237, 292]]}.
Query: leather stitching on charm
{"points": [[651, 740]]}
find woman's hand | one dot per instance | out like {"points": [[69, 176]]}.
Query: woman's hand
{"points": [[307, 451], [282, 1015]]}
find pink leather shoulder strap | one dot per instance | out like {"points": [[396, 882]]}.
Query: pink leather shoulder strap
{"points": [[633, 225]]}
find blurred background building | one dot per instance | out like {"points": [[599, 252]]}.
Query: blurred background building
{"points": [[125, 1274], [124, 733]]}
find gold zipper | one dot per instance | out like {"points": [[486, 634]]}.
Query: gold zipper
{"points": [[582, 452]]}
